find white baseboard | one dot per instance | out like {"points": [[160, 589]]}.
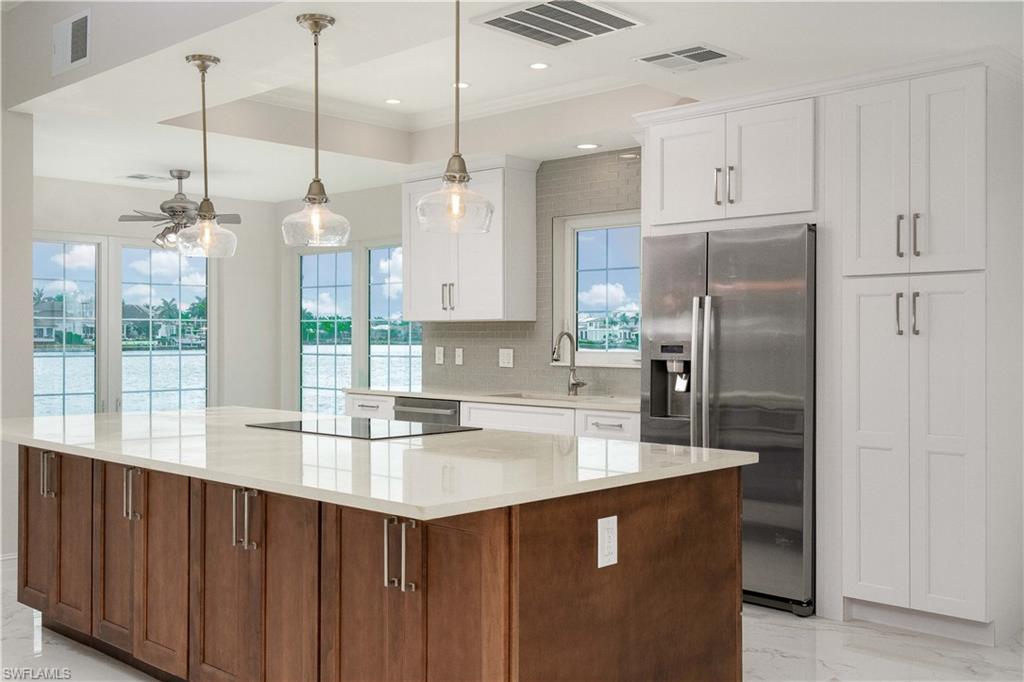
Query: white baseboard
{"points": [[918, 621]]}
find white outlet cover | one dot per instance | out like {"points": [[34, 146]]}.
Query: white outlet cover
{"points": [[458, 356], [506, 357], [607, 541], [438, 355]]}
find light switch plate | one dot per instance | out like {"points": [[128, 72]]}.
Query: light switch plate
{"points": [[458, 356], [607, 541], [505, 357], [438, 355]]}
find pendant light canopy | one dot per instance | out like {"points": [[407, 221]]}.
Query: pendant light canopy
{"points": [[206, 238], [315, 224], [455, 207]]}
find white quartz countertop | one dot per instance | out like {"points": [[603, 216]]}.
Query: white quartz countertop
{"points": [[608, 403], [422, 477]]}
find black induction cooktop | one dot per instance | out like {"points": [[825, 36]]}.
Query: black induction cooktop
{"points": [[362, 428]]}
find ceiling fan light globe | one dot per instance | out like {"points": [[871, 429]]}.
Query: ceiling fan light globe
{"points": [[207, 239], [315, 225], [455, 209]]}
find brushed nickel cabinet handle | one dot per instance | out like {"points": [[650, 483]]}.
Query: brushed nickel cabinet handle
{"points": [[124, 493], [406, 586], [45, 473], [718, 174], [915, 219], [130, 472], [444, 303], [605, 425], [899, 235], [913, 313], [899, 299], [729, 183], [367, 406], [451, 295], [234, 517], [388, 580], [246, 512]]}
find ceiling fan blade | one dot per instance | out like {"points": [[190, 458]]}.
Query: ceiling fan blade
{"points": [[132, 218], [229, 218], [160, 216]]}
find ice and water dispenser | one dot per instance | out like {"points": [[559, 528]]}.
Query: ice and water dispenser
{"points": [[670, 380]]}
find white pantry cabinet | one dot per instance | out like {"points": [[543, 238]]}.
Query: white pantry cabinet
{"points": [[912, 157], [757, 161], [914, 459], [490, 276]]}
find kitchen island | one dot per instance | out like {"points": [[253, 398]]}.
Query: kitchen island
{"points": [[195, 547]]}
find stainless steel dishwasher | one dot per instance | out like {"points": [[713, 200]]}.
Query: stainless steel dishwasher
{"points": [[428, 410]]}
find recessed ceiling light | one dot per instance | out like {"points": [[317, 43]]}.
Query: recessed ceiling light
{"points": [[460, 85], [587, 145], [392, 100], [538, 66]]}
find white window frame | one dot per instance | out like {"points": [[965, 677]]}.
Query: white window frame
{"points": [[108, 314], [563, 299]]}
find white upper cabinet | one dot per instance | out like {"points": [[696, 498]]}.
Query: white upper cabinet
{"points": [[913, 175], [750, 162], [490, 276], [769, 153]]}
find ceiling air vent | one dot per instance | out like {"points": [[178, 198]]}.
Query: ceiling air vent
{"points": [[691, 58], [558, 22], [70, 43]]}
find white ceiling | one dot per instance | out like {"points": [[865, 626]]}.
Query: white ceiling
{"points": [[108, 126]]}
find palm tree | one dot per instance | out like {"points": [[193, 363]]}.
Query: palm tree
{"points": [[196, 310], [37, 296], [168, 309]]}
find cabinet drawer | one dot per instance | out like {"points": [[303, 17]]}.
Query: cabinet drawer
{"points": [[556, 420], [615, 425], [372, 406]]}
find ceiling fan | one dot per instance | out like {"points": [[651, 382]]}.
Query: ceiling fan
{"points": [[176, 214]]}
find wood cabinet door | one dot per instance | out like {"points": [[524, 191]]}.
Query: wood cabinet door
{"points": [[224, 632], [875, 179], [287, 534], [771, 152], [875, 366], [684, 171], [160, 569], [71, 602], [428, 260], [947, 171], [947, 445], [112, 556], [465, 596], [37, 529], [355, 593], [479, 284]]}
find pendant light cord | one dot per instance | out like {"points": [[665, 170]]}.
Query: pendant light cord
{"points": [[458, 78], [202, 87], [316, 105]]}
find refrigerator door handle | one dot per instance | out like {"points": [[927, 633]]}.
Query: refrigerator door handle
{"points": [[705, 371], [694, 354]]}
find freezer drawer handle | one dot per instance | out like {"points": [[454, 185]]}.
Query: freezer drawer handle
{"points": [[388, 580], [606, 425], [406, 586], [899, 300], [899, 235], [425, 410]]}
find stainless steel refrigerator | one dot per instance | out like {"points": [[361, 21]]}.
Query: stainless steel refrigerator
{"points": [[728, 362]]}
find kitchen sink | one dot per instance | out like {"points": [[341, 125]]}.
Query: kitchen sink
{"points": [[552, 396]]}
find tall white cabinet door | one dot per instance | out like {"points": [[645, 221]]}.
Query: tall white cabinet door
{"points": [[875, 165], [687, 160], [479, 282], [947, 445], [429, 264], [947, 171], [771, 152], [876, 525]]}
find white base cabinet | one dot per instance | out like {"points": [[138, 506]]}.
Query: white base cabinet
{"points": [[914, 460], [534, 419]]}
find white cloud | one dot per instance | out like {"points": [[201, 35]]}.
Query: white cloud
{"points": [[194, 279], [598, 294], [393, 266], [80, 257], [59, 287], [323, 305], [139, 294]]}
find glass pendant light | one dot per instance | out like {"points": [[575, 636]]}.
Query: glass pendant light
{"points": [[315, 224], [206, 238], [455, 207]]}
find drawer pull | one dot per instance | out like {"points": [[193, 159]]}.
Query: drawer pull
{"points": [[406, 586], [388, 580], [366, 406], [425, 410], [606, 425]]}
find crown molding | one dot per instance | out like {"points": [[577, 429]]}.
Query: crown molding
{"points": [[995, 58]]}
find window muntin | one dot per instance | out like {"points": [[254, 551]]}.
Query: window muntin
{"points": [[63, 328], [607, 289], [164, 325], [325, 330], [396, 346]]}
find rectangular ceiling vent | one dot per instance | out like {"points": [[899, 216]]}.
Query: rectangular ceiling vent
{"points": [[557, 23], [70, 47], [692, 58]]}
